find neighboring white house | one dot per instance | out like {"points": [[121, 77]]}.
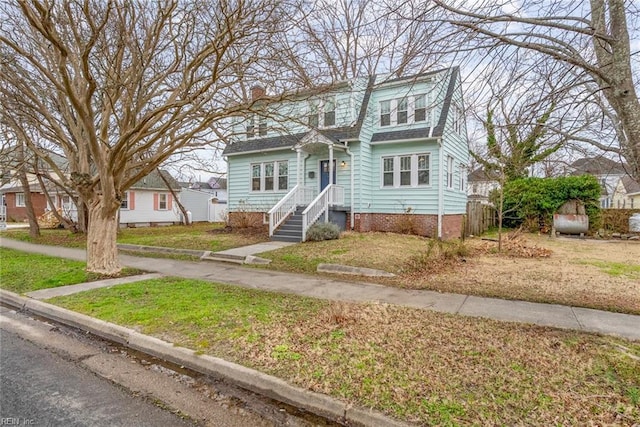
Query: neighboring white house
{"points": [[203, 205], [149, 202], [626, 194], [480, 186], [608, 173]]}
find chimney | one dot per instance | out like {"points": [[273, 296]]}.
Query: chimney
{"points": [[257, 92]]}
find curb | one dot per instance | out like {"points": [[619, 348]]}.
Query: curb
{"points": [[160, 249], [250, 379], [358, 271]]}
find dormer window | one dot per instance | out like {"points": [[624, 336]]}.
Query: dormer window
{"points": [[420, 108], [312, 117], [329, 109], [262, 126], [385, 113], [251, 128], [403, 111]]}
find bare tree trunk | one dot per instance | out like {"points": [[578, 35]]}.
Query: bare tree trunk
{"points": [[187, 221], [34, 228], [102, 250]]}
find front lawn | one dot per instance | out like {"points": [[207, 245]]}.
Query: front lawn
{"points": [[421, 366], [585, 273], [23, 272], [201, 236]]}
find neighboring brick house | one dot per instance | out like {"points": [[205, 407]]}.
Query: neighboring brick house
{"points": [[372, 153], [12, 197]]}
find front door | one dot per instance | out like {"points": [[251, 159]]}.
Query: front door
{"points": [[324, 173]]}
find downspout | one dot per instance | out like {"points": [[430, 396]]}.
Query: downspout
{"points": [[352, 213], [440, 188]]}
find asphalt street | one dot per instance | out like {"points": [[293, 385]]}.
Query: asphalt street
{"points": [[42, 389]]}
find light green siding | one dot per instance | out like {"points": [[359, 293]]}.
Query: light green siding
{"points": [[369, 194]]}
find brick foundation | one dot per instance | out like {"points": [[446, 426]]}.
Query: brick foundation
{"points": [[422, 225]]}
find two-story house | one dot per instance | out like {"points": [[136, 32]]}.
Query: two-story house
{"points": [[372, 153]]}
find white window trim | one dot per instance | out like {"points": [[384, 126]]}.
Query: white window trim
{"points": [[276, 176], [20, 203], [396, 170], [166, 202], [462, 182], [125, 198], [411, 99], [450, 171]]}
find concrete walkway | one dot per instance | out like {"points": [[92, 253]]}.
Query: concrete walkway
{"points": [[559, 316]]}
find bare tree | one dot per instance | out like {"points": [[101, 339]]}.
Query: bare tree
{"points": [[119, 86], [591, 38]]}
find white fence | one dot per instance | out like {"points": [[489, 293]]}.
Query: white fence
{"points": [[218, 212]]}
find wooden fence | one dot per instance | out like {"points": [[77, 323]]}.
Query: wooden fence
{"points": [[480, 217]]}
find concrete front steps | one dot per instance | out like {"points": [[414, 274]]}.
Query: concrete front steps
{"points": [[291, 229]]}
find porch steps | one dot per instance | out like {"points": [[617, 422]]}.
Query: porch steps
{"points": [[291, 229]]}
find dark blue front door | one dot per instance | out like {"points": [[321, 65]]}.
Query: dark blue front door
{"points": [[324, 173]]}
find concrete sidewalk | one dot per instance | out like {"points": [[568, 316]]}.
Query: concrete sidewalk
{"points": [[588, 320]]}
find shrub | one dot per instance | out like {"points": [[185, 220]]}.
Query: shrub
{"points": [[438, 254], [323, 231], [533, 201]]}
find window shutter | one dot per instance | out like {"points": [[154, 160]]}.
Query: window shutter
{"points": [[155, 201], [169, 201], [132, 200]]}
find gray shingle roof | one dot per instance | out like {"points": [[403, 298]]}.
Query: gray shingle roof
{"points": [[289, 141], [153, 181], [424, 132], [597, 166], [630, 185]]}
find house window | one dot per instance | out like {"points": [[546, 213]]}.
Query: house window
{"points": [[329, 109], [283, 175], [124, 204], [251, 128], [385, 113], [420, 108], [263, 176], [457, 119], [463, 176], [387, 172], [162, 201], [403, 111], [262, 126], [312, 117], [423, 169], [449, 172], [20, 200], [405, 171], [268, 176]]}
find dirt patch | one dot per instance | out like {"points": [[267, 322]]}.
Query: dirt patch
{"points": [[244, 231]]}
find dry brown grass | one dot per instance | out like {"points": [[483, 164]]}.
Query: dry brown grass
{"points": [[417, 365], [586, 273]]}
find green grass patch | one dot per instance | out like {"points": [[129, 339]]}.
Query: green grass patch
{"points": [[201, 236], [23, 272], [616, 269], [421, 366], [196, 314]]}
